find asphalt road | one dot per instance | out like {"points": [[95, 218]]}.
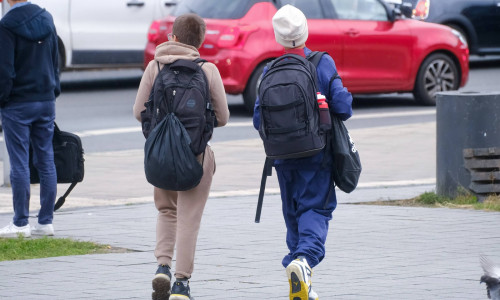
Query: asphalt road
{"points": [[395, 137], [98, 105]]}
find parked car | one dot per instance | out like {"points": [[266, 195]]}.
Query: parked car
{"points": [[101, 34], [375, 50], [477, 20]]}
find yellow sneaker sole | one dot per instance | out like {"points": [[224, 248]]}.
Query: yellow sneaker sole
{"points": [[298, 287]]}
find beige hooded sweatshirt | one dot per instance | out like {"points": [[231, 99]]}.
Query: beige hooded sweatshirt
{"points": [[180, 212], [169, 52]]}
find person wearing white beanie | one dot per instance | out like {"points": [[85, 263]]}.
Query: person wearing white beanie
{"points": [[290, 27], [307, 193]]}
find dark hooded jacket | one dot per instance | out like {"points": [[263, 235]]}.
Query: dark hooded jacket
{"points": [[28, 56]]}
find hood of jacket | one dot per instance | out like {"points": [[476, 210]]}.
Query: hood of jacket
{"points": [[169, 52], [29, 21]]}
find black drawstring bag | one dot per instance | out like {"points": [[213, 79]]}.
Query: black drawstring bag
{"points": [[169, 162], [346, 161]]}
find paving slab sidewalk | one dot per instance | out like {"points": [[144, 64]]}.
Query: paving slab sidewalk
{"points": [[373, 252]]}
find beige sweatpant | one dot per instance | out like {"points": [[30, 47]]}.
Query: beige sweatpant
{"points": [[179, 218]]}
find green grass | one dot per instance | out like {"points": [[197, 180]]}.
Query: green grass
{"points": [[28, 248], [464, 200]]}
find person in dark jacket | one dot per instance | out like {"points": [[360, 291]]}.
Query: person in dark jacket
{"points": [[29, 85], [307, 192]]}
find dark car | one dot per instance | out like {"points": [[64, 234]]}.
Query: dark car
{"points": [[477, 20], [375, 50]]}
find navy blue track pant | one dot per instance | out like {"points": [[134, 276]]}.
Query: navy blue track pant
{"points": [[308, 203]]}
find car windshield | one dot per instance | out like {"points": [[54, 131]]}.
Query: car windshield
{"points": [[311, 9], [215, 9], [360, 10]]}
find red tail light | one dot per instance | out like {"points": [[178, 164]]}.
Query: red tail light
{"points": [[421, 10], [235, 36], [154, 31]]}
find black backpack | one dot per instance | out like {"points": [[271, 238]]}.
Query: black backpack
{"points": [[182, 88], [289, 124], [178, 123]]}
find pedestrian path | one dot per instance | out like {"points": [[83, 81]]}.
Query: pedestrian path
{"points": [[373, 252]]}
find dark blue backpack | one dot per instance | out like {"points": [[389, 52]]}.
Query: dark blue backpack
{"points": [[289, 124]]}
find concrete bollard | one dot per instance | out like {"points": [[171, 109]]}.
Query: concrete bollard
{"points": [[463, 120]]}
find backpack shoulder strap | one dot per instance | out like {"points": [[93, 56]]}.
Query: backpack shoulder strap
{"points": [[207, 91], [199, 60], [282, 60], [315, 56]]}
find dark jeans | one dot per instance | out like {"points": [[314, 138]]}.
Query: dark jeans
{"points": [[308, 205], [21, 123]]}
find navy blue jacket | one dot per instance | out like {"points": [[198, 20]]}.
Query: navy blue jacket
{"points": [[339, 102], [28, 56]]}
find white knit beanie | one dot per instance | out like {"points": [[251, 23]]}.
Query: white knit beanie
{"points": [[290, 27]]}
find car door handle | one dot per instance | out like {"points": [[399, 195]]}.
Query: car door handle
{"points": [[135, 3], [352, 32]]}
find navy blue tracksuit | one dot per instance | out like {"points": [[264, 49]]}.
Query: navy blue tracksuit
{"points": [[307, 192]]}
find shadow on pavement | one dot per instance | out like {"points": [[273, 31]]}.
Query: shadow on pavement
{"points": [[383, 101], [100, 84], [484, 62]]}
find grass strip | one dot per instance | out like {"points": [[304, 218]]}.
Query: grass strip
{"points": [[464, 200], [29, 248]]}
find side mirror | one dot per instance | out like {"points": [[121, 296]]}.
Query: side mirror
{"points": [[391, 11], [406, 10]]}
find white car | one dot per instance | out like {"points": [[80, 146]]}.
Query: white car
{"points": [[102, 33]]}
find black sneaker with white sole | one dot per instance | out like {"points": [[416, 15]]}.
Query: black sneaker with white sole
{"points": [[180, 291], [161, 283]]}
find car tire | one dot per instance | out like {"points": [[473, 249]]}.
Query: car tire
{"points": [[251, 90], [438, 73]]}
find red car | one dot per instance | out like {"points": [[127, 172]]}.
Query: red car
{"points": [[374, 48]]}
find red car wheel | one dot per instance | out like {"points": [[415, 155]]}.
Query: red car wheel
{"points": [[438, 73]]}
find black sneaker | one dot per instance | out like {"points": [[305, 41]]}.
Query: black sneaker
{"points": [[161, 283], [180, 291]]}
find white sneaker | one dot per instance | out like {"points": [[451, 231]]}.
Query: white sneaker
{"points": [[39, 229], [299, 277], [12, 231]]}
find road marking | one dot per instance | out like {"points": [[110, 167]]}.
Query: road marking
{"points": [[397, 183], [374, 184], [394, 114], [99, 132], [121, 130]]}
